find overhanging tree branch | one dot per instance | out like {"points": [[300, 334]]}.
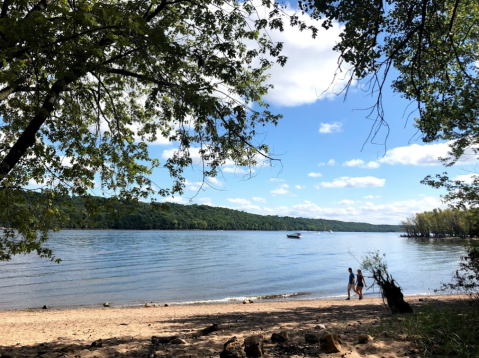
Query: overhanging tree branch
{"points": [[7, 91], [5, 5], [146, 79], [27, 138]]}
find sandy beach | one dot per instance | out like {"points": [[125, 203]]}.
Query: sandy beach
{"points": [[127, 332]]}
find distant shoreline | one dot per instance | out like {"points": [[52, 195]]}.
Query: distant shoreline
{"points": [[172, 230], [171, 216]]}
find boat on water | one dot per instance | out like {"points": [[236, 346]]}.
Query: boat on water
{"points": [[294, 236], [330, 231]]}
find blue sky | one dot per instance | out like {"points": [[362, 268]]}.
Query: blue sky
{"points": [[328, 169]]}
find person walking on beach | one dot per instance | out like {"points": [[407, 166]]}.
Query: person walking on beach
{"points": [[350, 283], [361, 282]]}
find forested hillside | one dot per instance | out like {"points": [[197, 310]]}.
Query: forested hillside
{"points": [[143, 216]]}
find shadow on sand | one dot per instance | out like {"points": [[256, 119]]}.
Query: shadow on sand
{"points": [[346, 320]]}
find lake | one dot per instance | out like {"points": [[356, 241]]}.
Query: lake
{"points": [[134, 267]]}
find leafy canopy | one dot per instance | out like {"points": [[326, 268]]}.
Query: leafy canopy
{"points": [[431, 50], [86, 85], [442, 223], [433, 45]]}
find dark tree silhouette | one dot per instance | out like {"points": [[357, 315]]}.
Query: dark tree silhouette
{"points": [[390, 290]]}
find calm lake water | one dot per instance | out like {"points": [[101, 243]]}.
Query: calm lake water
{"points": [[134, 267]]}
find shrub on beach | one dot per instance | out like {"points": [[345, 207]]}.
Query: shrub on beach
{"points": [[443, 331], [376, 264], [466, 279]]}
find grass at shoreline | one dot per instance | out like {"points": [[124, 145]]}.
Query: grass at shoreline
{"points": [[437, 330]]}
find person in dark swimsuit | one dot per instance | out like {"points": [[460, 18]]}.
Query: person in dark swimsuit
{"points": [[361, 282], [350, 283]]}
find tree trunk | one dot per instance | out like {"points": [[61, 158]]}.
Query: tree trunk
{"points": [[392, 293]]}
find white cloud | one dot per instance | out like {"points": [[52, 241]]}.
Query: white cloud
{"points": [[353, 163], [361, 164], [48, 181], [388, 213], [467, 178], [276, 180], [423, 155], [416, 154], [176, 199], [330, 162], [243, 204], [238, 201], [66, 161], [315, 175], [357, 182], [206, 201], [228, 166], [194, 154], [299, 187], [346, 202], [326, 128], [214, 181], [280, 190], [259, 199], [168, 153], [160, 139], [303, 79], [195, 186], [372, 197]]}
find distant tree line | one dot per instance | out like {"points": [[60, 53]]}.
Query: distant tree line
{"points": [[443, 223], [151, 216], [102, 213]]}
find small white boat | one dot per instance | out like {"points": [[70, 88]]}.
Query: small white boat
{"points": [[294, 236], [330, 231]]}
